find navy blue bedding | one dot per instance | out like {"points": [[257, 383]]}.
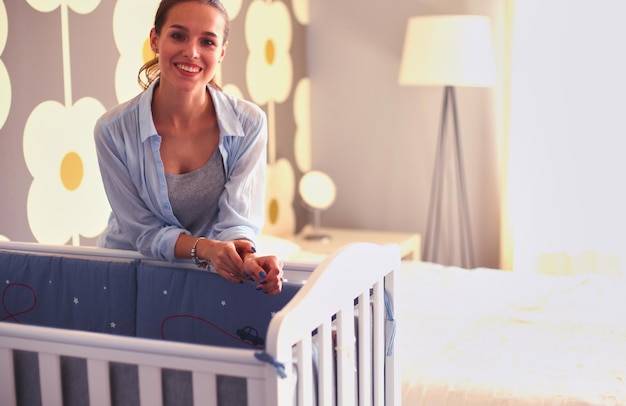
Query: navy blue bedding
{"points": [[134, 298], [198, 307], [65, 292]]}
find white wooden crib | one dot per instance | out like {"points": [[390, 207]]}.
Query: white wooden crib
{"points": [[331, 344]]}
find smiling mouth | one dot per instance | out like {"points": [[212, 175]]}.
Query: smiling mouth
{"points": [[188, 68]]}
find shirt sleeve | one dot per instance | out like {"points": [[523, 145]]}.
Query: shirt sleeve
{"points": [[242, 204], [132, 191]]}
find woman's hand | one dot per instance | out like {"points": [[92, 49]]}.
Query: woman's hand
{"points": [[267, 271], [237, 261], [227, 257]]}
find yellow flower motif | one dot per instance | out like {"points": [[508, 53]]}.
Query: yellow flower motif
{"points": [[233, 7], [132, 21], [78, 6], [302, 117], [269, 70], [280, 217], [66, 198], [5, 81], [301, 11], [232, 90]]}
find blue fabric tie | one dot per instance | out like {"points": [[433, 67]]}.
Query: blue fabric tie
{"points": [[265, 357]]}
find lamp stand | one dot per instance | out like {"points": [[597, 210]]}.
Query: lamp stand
{"points": [[432, 238], [315, 234]]}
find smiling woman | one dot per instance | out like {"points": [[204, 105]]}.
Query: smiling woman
{"points": [[57, 197], [210, 41], [183, 163]]}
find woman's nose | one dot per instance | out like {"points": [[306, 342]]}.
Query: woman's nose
{"points": [[191, 51]]}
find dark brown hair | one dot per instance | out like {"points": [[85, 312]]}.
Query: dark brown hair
{"points": [[150, 70]]}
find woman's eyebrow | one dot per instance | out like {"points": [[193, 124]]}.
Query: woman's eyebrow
{"points": [[183, 28]]}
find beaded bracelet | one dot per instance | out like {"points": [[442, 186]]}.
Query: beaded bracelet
{"points": [[194, 257]]}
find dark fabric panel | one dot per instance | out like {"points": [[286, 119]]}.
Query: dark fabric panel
{"points": [[66, 292], [178, 390], [177, 387], [232, 391], [202, 307], [74, 381], [124, 379], [26, 371]]}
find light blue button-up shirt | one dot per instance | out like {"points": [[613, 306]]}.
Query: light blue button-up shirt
{"points": [[132, 171]]}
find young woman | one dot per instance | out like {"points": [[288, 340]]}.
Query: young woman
{"points": [[183, 164]]}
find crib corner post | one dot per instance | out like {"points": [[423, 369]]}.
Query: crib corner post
{"points": [[279, 391]]}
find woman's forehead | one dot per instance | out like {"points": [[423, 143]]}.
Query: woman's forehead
{"points": [[200, 18]]}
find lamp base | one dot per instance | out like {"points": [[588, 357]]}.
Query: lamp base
{"points": [[315, 233], [323, 238]]}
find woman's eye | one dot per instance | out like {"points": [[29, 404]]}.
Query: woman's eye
{"points": [[208, 42], [177, 35]]}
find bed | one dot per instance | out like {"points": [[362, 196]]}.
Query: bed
{"points": [[490, 337], [87, 325]]}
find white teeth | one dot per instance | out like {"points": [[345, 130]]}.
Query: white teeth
{"points": [[190, 69]]}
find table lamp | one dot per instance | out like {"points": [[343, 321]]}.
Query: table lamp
{"points": [[448, 51], [318, 192]]}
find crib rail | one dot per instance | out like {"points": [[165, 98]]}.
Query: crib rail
{"points": [[355, 360], [294, 271], [100, 351]]}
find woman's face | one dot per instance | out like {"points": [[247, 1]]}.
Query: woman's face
{"points": [[190, 45]]}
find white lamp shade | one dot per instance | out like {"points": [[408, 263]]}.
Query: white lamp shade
{"points": [[317, 190], [448, 50]]}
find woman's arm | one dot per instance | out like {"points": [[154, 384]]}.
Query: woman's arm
{"points": [[242, 204]]}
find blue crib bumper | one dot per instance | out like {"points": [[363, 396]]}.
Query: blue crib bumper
{"points": [[133, 297]]}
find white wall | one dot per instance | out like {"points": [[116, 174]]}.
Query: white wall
{"points": [[568, 133], [376, 139]]}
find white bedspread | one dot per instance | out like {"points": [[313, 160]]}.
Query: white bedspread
{"points": [[488, 337]]}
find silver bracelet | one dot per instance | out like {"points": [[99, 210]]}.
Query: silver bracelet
{"points": [[194, 257]]}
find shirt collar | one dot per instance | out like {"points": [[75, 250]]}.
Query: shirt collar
{"points": [[146, 124], [227, 118]]}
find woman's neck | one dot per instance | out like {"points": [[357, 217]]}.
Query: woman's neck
{"points": [[177, 109]]}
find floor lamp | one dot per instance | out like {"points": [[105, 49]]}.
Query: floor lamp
{"points": [[448, 51]]}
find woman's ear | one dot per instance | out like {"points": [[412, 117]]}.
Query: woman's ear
{"points": [[223, 51], [153, 41]]}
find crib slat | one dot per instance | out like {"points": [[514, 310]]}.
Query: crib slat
{"points": [[204, 389], [50, 379], [150, 391], [326, 364], [378, 324], [345, 357], [392, 386], [305, 375], [98, 381], [365, 350], [256, 392], [7, 376]]}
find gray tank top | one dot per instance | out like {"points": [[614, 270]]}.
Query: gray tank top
{"points": [[194, 196]]}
